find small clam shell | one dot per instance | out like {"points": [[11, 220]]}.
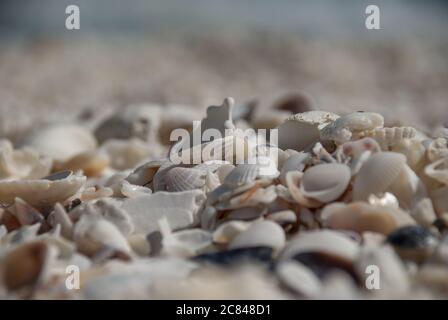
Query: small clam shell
{"points": [[343, 128], [144, 174], [227, 231], [45, 191], [283, 218], [241, 175], [293, 179], [377, 174], [132, 190], [438, 170], [182, 179], [60, 141], [325, 182], [299, 278], [263, 233]]}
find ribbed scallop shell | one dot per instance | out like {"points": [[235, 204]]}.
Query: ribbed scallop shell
{"points": [[182, 179], [325, 182], [45, 191], [377, 174], [389, 137]]}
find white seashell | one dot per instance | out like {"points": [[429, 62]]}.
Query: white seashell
{"points": [[377, 174], [126, 154], [355, 153], [144, 174], [134, 121], [325, 241], [284, 217], [263, 233], [424, 213], [60, 141], [46, 191], [93, 234], [389, 137], [299, 278], [438, 170], [254, 197], [139, 244], [414, 151], [132, 190], [183, 179], [325, 182], [301, 130], [224, 171], [242, 175], [343, 128], [180, 208], [296, 162], [211, 181], [23, 163], [94, 193], [227, 231]]}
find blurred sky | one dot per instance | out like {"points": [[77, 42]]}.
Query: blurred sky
{"points": [[20, 18]]}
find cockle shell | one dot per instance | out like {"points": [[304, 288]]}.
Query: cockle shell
{"points": [[241, 175], [263, 233], [302, 129], [438, 170], [23, 163], [46, 191], [343, 128], [60, 141], [182, 179], [377, 174], [325, 182], [389, 137]]}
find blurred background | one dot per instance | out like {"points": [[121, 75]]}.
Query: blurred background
{"points": [[196, 52]]}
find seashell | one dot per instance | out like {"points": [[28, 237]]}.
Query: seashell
{"points": [[126, 154], [413, 242], [353, 124], [212, 166], [60, 217], [8, 220], [283, 218], [299, 278], [144, 174], [208, 217], [293, 181], [27, 265], [23, 163], [241, 175], [46, 191], [414, 151], [424, 213], [357, 152], [91, 163], [96, 192], [92, 234], [179, 208], [132, 191], [246, 213], [437, 149], [227, 231], [359, 217], [134, 121], [184, 243], [139, 244], [377, 174], [325, 182], [325, 241], [256, 196], [296, 162], [390, 137], [301, 130], [211, 181], [263, 233], [60, 141], [438, 170], [224, 171], [183, 179], [439, 199], [26, 214]]}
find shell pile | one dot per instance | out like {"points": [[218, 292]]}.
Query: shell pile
{"points": [[343, 195]]}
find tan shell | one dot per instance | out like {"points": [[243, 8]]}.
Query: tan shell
{"points": [[390, 137], [377, 174], [438, 170], [61, 141], [414, 150], [263, 233], [23, 163], [439, 199], [227, 231], [60, 217], [144, 174], [91, 163], [293, 180], [46, 191]]}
